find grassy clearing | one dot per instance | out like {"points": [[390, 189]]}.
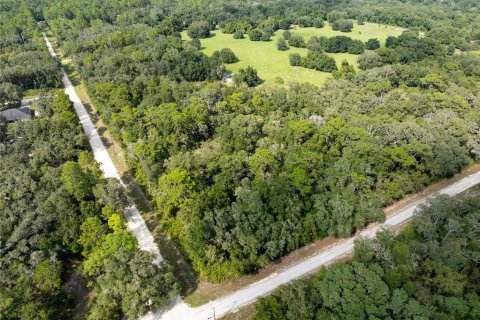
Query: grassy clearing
{"points": [[272, 63]]}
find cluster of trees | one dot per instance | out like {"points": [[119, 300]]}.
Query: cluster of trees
{"points": [[10, 95], [248, 76], [339, 21], [271, 24], [314, 60], [406, 48], [429, 271], [243, 176], [242, 26], [225, 55], [259, 35], [237, 16], [199, 30], [334, 44], [24, 62], [56, 207]]}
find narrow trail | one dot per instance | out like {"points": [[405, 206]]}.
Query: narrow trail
{"points": [[135, 222]]}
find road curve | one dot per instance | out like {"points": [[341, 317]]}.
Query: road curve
{"points": [[178, 310], [135, 222]]}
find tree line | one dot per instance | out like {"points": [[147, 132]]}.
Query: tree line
{"points": [[24, 62], [429, 271], [57, 208]]}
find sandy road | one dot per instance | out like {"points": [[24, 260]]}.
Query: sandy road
{"points": [[178, 310], [135, 222]]}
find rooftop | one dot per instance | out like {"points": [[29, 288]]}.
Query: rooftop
{"points": [[12, 115]]}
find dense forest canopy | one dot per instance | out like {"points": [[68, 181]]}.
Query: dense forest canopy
{"points": [[56, 209], [239, 176], [429, 271], [24, 62], [243, 176]]}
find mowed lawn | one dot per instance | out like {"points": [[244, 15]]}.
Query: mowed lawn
{"points": [[272, 63]]}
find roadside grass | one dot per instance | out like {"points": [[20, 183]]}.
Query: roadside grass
{"points": [[181, 269], [272, 63], [244, 313]]}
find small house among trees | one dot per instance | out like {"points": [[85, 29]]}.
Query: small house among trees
{"points": [[12, 115]]}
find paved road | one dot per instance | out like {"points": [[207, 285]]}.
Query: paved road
{"points": [[135, 222], [180, 311]]}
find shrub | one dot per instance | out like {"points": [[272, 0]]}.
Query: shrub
{"points": [[314, 44], [346, 71], [342, 25], [451, 50], [296, 41], [279, 80], [265, 36], [295, 59], [238, 35], [196, 43], [248, 76], [225, 55], [319, 61], [372, 44], [287, 34], [318, 23], [255, 35], [282, 44], [199, 30], [229, 27]]}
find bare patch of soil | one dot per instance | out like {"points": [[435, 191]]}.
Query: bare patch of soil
{"points": [[76, 287]]}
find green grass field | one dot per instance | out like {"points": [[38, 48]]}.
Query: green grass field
{"points": [[271, 63]]}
